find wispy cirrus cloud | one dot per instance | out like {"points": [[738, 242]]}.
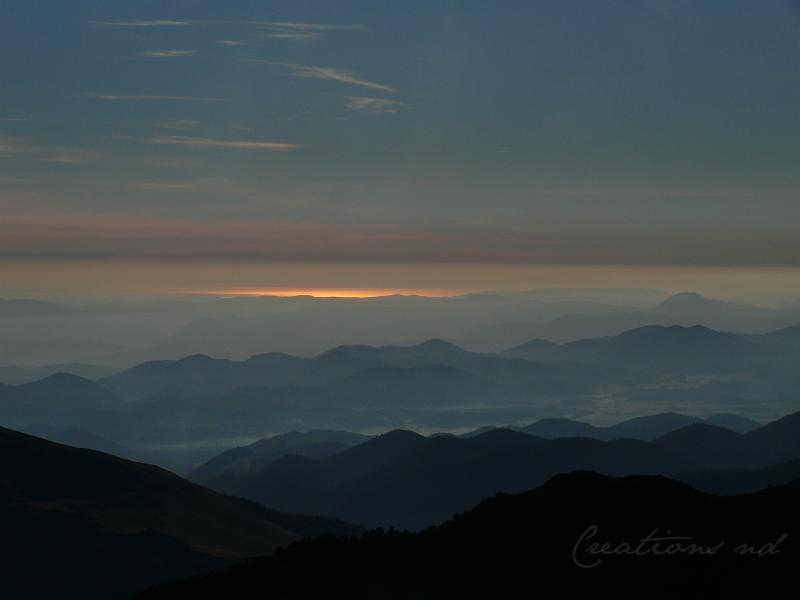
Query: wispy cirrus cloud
{"points": [[276, 25], [304, 37], [321, 27], [374, 105], [151, 98], [179, 140], [157, 23], [276, 30], [326, 73], [304, 32], [167, 53]]}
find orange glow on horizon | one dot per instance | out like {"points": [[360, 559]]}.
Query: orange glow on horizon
{"points": [[329, 292]]}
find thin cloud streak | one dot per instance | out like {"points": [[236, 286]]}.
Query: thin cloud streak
{"points": [[151, 98], [304, 37], [374, 105], [161, 23], [234, 144], [168, 53], [283, 25], [315, 26], [304, 32], [326, 73]]}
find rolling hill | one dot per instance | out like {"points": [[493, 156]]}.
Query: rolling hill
{"points": [[401, 479], [87, 513]]}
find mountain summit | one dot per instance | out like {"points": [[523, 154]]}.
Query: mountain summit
{"points": [[689, 301]]}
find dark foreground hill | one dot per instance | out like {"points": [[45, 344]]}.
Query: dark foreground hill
{"points": [[579, 535], [81, 524]]}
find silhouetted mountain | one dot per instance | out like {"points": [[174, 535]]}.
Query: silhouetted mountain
{"points": [[533, 350], [202, 402], [735, 423], [693, 302], [685, 309], [638, 428], [402, 479], [696, 308], [546, 543], [200, 372], [742, 481], [59, 398], [85, 512], [719, 448], [66, 388], [123, 333], [562, 428], [788, 337], [780, 438], [474, 432], [580, 326], [246, 460], [13, 375], [197, 372], [675, 348], [713, 446], [649, 427], [691, 308]]}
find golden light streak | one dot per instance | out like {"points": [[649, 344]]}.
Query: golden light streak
{"points": [[328, 292]]}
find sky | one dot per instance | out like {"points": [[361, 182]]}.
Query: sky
{"points": [[160, 146]]}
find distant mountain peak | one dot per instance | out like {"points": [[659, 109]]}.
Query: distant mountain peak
{"points": [[399, 434], [671, 331], [346, 350], [438, 344], [60, 386], [65, 378], [687, 296], [197, 358], [268, 356], [688, 301]]}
